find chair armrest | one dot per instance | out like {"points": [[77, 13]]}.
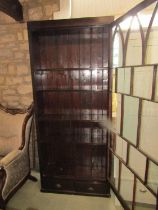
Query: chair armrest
{"points": [[9, 158]]}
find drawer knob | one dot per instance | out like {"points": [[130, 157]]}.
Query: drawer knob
{"points": [[58, 186], [91, 189]]}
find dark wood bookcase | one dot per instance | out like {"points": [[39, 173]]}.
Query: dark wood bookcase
{"points": [[71, 85]]}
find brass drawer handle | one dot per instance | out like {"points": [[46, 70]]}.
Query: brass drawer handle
{"points": [[58, 186], [90, 188]]}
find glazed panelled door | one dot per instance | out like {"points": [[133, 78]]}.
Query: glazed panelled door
{"points": [[134, 146], [71, 92]]}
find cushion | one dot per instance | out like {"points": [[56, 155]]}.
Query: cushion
{"points": [[10, 132], [4, 161]]}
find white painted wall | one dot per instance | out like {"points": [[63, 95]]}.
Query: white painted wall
{"points": [[93, 8], [65, 10]]}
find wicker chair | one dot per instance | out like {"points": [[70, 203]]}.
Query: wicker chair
{"points": [[15, 128]]}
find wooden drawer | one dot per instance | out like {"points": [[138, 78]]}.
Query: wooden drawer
{"points": [[57, 184], [90, 187], [67, 170]]}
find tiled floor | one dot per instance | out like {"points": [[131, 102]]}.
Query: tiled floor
{"points": [[29, 197]]}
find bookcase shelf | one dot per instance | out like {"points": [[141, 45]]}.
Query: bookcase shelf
{"points": [[71, 84]]}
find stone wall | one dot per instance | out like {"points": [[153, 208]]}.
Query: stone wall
{"points": [[15, 77], [15, 73], [39, 9]]}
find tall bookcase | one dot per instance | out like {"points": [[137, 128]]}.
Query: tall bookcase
{"points": [[71, 84]]}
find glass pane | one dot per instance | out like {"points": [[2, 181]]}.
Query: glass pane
{"points": [[127, 179], [149, 129], [121, 148], [140, 206], [114, 99], [112, 179], [118, 114], [127, 80], [117, 50], [113, 80], [130, 120], [144, 19], [143, 77], [113, 29], [115, 171], [152, 46], [156, 91], [145, 16], [134, 48], [134, 157], [120, 80], [144, 199], [114, 95], [117, 204], [123, 80], [152, 176], [124, 25]]}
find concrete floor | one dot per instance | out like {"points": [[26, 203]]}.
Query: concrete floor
{"points": [[29, 197]]}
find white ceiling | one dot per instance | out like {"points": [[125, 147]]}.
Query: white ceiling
{"points": [[94, 8]]}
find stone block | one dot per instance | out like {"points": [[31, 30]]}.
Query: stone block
{"points": [[4, 103], [10, 45], [25, 33], [14, 80], [11, 69], [6, 53], [26, 100], [48, 9], [22, 69], [24, 46], [9, 98], [3, 69], [20, 36], [28, 56], [35, 13], [2, 79], [27, 78], [14, 49], [14, 104], [9, 92], [55, 7], [19, 55], [7, 38], [24, 89]]}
